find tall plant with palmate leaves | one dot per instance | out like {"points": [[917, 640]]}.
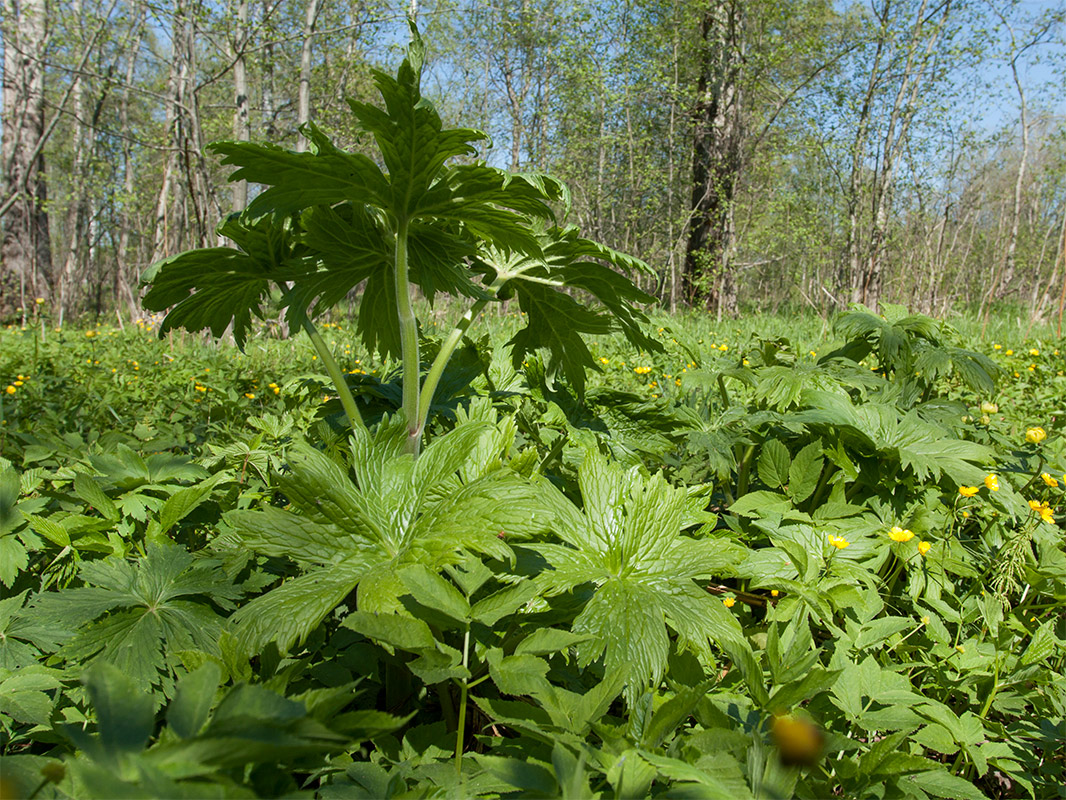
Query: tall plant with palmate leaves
{"points": [[411, 216]]}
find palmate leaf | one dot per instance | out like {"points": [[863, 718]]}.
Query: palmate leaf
{"points": [[556, 321], [135, 615], [628, 543], [359, 535], [323, 175], [222, 286], [927, 449]]}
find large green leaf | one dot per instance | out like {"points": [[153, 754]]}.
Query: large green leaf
{"points": [[628, 544]]}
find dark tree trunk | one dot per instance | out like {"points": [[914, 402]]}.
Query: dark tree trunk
{"points": [[708, 279]]}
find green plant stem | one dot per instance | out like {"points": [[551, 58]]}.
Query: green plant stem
{"points": [[723, 392], [823, 483], [355, 419], [436, 369], [408, 341], [464, 688], [745, 467], [995, 688]]}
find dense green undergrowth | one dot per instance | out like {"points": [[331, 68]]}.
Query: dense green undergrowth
{"points": [[557, 551], [142, 479]]}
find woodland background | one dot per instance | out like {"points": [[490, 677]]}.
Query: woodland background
{"points": [[759, 155]]}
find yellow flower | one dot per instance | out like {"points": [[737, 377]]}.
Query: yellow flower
{"points": [[1047, 479], [200, 388], [997, 347], [18, 383], [992, 482], [839, 542], [774, 593], [1046, 515], [11, 390], [898, 534], [1035, 435], [604, 360], [967, 491], [813, 354], [249, 395], [723, 347], [924, 547], [729, 602], [39, 300], [1034, 352], [989, 408], [1034, 504], [1010, 352]]}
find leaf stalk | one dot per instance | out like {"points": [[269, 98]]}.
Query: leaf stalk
{"points": [[408, 341]]}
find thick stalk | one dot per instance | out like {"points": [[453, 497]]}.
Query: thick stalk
{"points": [[408, 341], [355, 419], [436, 369]]}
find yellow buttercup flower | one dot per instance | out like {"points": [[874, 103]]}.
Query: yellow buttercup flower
{"points": [[992, 482], [729, 602], [967, 491], [839, 542], [1035, 435], [997, 347], [774, 593], [1034, 352], [11, 390], [924, 547], [1048, 480], [1010, 352], [898, 534]]}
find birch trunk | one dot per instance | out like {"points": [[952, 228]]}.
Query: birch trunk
{"points": [[303, 101], [26, 251]]}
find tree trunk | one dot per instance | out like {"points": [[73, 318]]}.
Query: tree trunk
{"points": [[76, 218], [895, 139], [850, 278], [303, 101], [125, 279], [170, 188], [241, 124], [26, 251], [708, 277]]}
